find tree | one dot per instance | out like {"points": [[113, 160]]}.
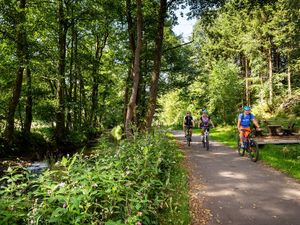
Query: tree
{"points": [[22, 57], [136, 70]]}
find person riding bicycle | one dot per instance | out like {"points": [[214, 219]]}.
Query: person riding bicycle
{"points": [[244, 122], [205, 121], [188, 123]]}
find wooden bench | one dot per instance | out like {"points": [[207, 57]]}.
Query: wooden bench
{"points": [[288, 130], [273, 129]]}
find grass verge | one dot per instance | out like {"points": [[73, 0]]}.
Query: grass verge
{"points": [[285, 158]]}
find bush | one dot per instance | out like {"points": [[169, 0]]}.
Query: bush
{"points": [[129, 183]]}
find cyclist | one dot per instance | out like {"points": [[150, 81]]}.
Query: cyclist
{"points": [[244, 122], [188, 122], [204, 121]]}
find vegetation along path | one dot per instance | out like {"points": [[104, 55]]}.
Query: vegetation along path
{"points": [[233, 190]]}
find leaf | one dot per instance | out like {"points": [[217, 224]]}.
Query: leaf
{"points": [[110, 222]]}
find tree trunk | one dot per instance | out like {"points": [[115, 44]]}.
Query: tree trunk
{"points": [[77, 112], [270, 73], [289, 80], [69, 124], [60, 114], [28, 110], [157, 64], [247, 82], [136, 70], [21, 52], [82, 101], [126, 95], [131, 61], [95, 91], [261, 92]]}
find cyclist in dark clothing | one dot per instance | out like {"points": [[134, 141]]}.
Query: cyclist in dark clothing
{"points": [[188, 122]]}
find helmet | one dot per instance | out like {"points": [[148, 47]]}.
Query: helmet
{"points": [[247, 107], [204, 111]]}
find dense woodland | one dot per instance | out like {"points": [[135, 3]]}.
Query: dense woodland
{"points": [[71, 69]]}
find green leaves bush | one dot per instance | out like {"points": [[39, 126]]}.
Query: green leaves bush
{"points": [[124, 184]]}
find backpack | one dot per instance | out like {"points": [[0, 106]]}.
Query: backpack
{"points": [[243, 116]]}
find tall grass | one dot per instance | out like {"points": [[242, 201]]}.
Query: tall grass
{"points": [[137, 181]]}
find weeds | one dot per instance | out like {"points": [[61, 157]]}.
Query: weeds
{"points": [[130, 183]]}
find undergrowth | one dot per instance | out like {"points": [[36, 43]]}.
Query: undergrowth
{"points": [[137, 181]]}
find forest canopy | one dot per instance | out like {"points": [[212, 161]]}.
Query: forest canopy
{"points": [[70, 69]]}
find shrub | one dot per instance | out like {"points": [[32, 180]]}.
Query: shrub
{"points": [[129, 183]]}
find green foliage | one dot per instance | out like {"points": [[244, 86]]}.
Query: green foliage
{"points": [[227, 135], [224, 91], [133, 182], [173, 109], [117, 132]]}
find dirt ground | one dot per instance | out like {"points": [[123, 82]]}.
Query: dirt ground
{"points": [[228, 189]]}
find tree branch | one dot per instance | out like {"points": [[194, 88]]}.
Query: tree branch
{"points": [[178, 46]]}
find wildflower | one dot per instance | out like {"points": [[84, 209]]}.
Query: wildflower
{"points": [[62, 184]]}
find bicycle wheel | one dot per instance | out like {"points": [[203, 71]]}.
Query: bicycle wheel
{"points": [[188, 139], [253, 151], [207, 143], [241, 150]]}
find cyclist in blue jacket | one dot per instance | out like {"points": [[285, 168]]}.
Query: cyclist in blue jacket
{"points": [[244, 122]]}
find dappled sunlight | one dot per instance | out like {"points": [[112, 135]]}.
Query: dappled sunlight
{"points": [[224, 192], [291, 193], [233, 175], [178, 135], [273, 209], [217, 144], [221, 153], [203, 156]]}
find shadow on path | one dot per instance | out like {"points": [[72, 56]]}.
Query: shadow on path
{"points": [[237, 191]]}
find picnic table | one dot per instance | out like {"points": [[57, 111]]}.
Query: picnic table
{"points": [[273, 129]]}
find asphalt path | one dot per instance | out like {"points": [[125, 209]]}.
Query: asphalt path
{"points": [[234, 190]]}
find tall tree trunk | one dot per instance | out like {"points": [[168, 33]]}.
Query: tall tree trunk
{"points": [[126, 95], [62, 35], [28, 109], [82, 101], [77, 112], [136, 70], [157, 64], [270, 73], [289, 75], [69, 124], [95, 91], [261, 92], [21, 52], [247, 82], [131, 61]]}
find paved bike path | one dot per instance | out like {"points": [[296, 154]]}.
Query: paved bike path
{"points": [[237, 191]]}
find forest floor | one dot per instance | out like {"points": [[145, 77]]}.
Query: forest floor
{"points": [[228, 189]]}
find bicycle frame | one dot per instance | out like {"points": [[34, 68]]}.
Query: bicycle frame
{"points": [[205, 139], [188, 135], [250, 146]]}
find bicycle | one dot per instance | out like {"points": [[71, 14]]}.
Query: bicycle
{"points": [[205, 138], [188, 135], [250, 146]]}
